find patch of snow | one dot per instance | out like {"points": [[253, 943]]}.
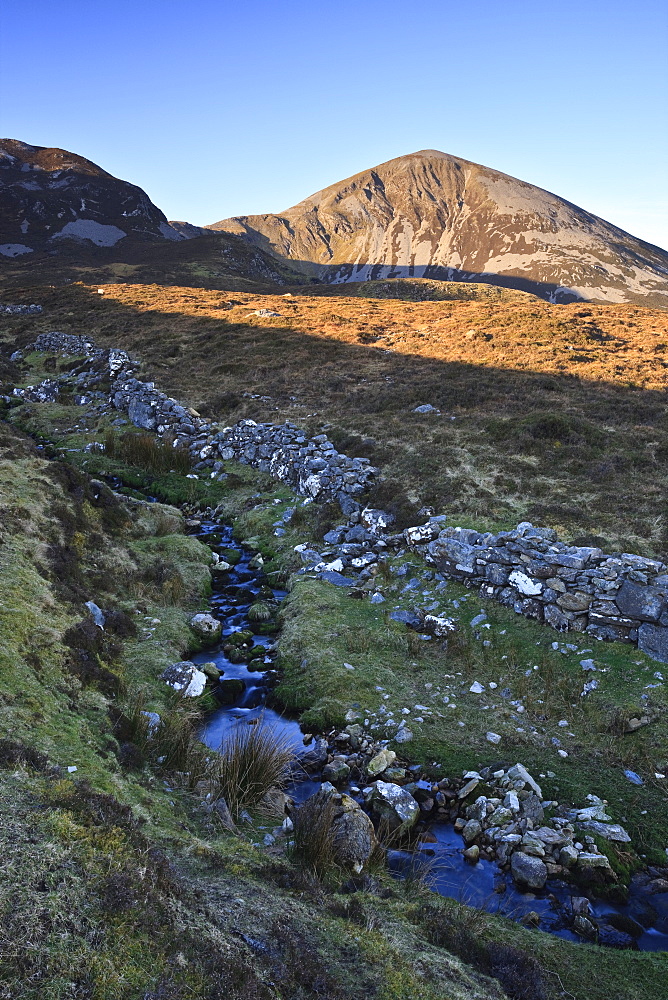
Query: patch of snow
{"points": [[88, 229], [14, 249]]}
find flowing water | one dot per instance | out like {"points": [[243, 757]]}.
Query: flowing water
{"points": [[482, 885]]}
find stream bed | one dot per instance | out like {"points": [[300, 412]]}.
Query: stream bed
{"points": [[641, 922]]}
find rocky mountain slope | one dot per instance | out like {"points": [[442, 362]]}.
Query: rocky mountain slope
{"points": [[438, 216], [64, 219], [50, 195]]}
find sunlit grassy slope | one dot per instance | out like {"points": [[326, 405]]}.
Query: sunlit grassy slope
{"points": [[552, 413]]}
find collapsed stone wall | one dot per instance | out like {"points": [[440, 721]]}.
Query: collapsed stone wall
{"points": [[619, 596], [312, 466]]}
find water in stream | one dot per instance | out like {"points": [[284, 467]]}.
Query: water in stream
{"points": [[484, 884]]}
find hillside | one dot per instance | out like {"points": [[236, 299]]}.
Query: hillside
{"points": [[49, 195], [126, 882], [438, 216], [549, 413]]}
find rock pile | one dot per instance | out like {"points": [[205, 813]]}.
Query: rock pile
{"points": [[500, 813], [17, 310]]}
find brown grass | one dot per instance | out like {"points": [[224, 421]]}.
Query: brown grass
{"points": [[559, 410]]}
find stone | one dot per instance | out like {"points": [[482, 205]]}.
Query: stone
{"points": [[337, 770], [142, 414], [645, 603], [574, 601], [394, 805], [568, 856], [500, 817], [223, 813], [525, 584], [555, 617], [185, 678], [337, 579], [422, 533], [528, 871], [583, 926], [316, 756], [406, 618], [472, 829], [380, 762], [477, 688], [211, 670], [493, 737], [653, 640], [206, 626], [468, 788], [440, 627], [587, 862], [531, 808], [519, 773], [512, 802], [228, 691], [609, 831], [353, 835], [472, 854], [426, 408], [275, 803]]}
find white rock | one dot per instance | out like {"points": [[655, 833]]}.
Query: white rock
{"points": [[477, 688], [519, 773], [493, 737], [525, 584]]}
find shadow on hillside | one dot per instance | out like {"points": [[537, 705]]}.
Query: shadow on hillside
{"points": [[581, 452]]}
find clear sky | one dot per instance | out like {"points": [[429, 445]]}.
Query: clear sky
{"points": [[244, 106]]}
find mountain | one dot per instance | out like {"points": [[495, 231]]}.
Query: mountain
{"points": [[50, 196], [64, 219], [437, 216]]}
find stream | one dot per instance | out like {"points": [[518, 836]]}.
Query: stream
{"points": [[644, 916]]}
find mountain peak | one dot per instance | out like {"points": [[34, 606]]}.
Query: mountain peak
{"points": [[430, 214]]}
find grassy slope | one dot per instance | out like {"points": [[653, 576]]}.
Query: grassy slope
{"points": [[382, 654], [116, 884], [559, 410], [325, 628]]}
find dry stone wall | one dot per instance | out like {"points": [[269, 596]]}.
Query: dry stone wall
{"points": [[611, 596], [620, 596]]}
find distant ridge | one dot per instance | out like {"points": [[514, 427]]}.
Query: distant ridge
{"points": [[433, 215]]}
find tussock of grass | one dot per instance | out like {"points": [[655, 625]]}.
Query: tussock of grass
{"points": [[313, 838], [147, 451], [250, 761]]}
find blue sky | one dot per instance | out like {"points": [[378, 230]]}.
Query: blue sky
{"points": [[224, 108]]}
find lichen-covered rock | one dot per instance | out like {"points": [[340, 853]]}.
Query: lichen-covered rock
{"points": [[528, 871], [206, 626], [336, 770], [380, 762], [185, 678], [394, 805]]}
